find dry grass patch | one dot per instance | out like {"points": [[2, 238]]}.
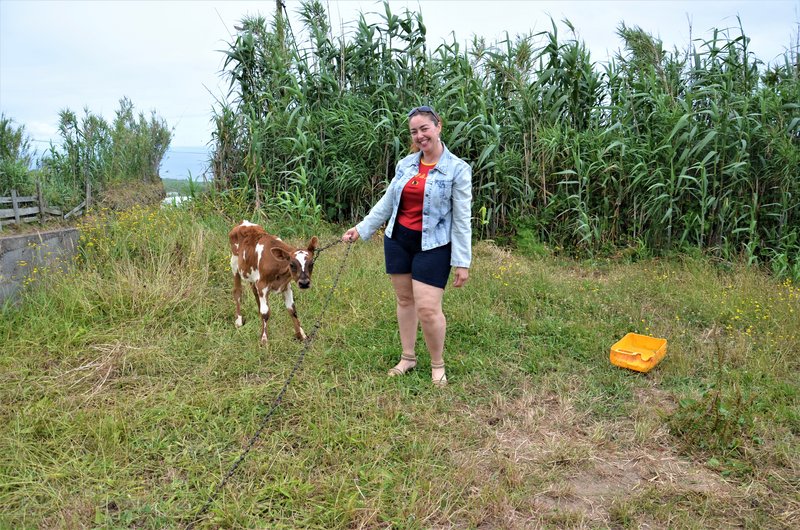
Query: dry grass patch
{"points": [[549, 463]]}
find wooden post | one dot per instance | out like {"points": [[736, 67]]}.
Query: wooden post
{"points": [[40, 197], [15, 206]]}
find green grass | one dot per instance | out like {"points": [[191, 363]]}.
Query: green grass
{"points": [[127, 394], [183, 186]]}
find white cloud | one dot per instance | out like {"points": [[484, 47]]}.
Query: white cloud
{"points": [[39, 129]]}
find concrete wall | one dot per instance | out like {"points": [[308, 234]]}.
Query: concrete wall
{"points": [[28, 257]]}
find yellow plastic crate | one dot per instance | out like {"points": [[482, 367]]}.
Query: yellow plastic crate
{"points": [[638, 352]]}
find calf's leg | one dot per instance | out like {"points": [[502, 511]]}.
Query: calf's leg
{"points": [[262, 293], [288, 299], [237, 298]]}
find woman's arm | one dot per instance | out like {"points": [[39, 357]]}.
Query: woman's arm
{"points": [[461, 231], [381, 212]]}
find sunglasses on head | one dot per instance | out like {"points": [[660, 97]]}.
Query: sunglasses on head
{"points": [[423, 108]]}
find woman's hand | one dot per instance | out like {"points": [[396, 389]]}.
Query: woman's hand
{"points": [[350, 235], [462, 275]]}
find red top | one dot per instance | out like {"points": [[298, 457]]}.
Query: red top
{"points": [[410, 212]]}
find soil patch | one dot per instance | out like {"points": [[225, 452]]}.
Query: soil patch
{"points": [[578, 470]]}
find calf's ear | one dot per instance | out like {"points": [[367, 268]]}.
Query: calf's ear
{"points": [[280, 254], [312, 245]]}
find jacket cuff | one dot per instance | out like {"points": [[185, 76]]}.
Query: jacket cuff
{"points": [[363, 231]]}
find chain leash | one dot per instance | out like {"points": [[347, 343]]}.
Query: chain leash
{"points": [[326, 247], [279, 398]]}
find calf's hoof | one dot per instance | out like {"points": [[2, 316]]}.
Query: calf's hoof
{"points": [[239, 322]]}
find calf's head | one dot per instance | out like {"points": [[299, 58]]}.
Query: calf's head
{"points": [[301, 262]]}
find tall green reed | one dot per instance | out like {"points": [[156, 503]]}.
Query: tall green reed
{"points": [[130, 148], [667, 149]]}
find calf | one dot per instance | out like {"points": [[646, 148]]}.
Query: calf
{"points": [[268, 264]]}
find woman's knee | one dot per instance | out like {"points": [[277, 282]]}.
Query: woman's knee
{"points": [[403, 289], [429, 313], [405, 299]]}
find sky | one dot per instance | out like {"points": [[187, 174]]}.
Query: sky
{"points": [[165, 55]]}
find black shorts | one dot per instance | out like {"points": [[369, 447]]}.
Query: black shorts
{"points": [[403, 254]]}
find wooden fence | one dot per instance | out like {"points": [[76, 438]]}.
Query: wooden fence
{"points": [[32, 208]]}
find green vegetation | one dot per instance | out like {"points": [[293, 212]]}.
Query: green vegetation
{"points": [[128, 393], [128, 150], [16, 156], [186, 187], [658, 150]]}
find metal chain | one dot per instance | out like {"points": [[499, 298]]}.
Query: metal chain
{"points": [[277, 401], [314, 259], [326, 247]]}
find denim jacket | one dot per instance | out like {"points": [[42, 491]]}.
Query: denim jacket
{"points": [[446, 206]]}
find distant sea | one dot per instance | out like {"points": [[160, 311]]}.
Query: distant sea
{"points": [[180, 161]]}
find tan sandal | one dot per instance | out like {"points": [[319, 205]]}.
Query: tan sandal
{"points": [[442, 381], [401, 371]]}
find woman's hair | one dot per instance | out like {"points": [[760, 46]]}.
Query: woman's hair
{"points": [[427, 111]]}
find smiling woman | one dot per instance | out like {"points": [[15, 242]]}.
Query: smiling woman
{"points": [[426, 208]]}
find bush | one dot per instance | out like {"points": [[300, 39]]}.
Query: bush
{"points": [[15, 159], [127, 150], [15, 175]]}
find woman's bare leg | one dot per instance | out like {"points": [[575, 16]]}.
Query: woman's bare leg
{"points": [[428, 303], [407, 321]]}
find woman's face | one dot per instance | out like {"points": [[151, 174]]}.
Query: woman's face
{"points": [[424, 131]]}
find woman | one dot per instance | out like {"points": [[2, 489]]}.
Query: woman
{"points": [[428, 208]]}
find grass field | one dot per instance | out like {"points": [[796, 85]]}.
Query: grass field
{"points": [[183, 186], [127, 394]]}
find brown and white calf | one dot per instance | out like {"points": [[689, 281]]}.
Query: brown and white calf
{"points": [[268, 265]]}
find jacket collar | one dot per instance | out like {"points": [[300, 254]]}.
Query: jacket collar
{"points": [[444, 161]]}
